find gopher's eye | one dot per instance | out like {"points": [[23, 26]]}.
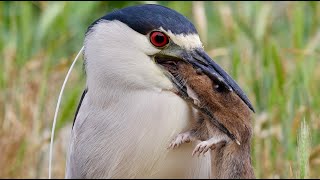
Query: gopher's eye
{"points": [[220, 88]]}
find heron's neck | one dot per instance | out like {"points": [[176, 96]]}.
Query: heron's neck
{"points": [[102, 95]]}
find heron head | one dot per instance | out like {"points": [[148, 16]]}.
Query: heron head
{"points": [[134, 47]]}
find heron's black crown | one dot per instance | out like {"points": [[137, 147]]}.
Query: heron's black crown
{"points": [[147, 17]]}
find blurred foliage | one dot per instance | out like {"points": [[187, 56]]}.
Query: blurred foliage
{"points": [[270, 48]]}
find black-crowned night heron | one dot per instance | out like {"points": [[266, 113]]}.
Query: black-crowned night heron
{"points": [[128, 113]]}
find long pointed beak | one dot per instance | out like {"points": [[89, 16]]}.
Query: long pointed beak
{"points": [[202, 61]]}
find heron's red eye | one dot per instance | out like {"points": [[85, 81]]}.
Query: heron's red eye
{"points": [[159, 39]]}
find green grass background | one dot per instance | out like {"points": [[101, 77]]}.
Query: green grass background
{"points": [[272, 49]]}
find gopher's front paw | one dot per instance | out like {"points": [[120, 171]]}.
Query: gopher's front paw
{"points": [[179, 139], [202, 147]]}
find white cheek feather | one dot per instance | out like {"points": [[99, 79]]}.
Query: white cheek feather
{"points": [[187, 41], [119, 56]]}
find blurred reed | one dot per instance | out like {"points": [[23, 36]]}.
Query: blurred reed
{"points": [[270, 48]]}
